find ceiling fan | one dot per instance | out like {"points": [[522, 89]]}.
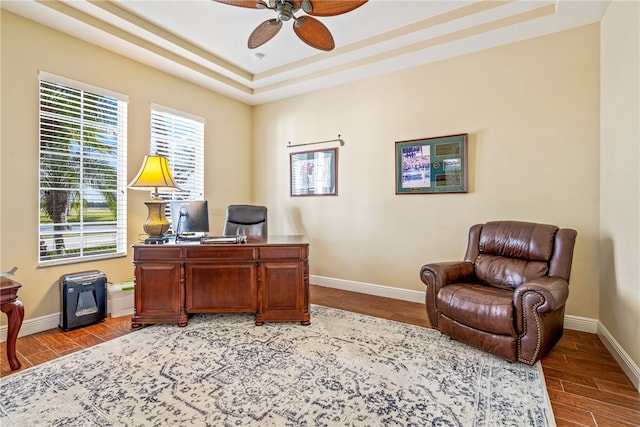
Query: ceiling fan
{"points": [[309, 29]]}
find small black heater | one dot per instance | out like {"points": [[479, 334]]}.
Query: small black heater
{"points": [[83, 298]]}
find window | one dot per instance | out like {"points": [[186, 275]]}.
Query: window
{"points": [[180, 137], [83, 166]]}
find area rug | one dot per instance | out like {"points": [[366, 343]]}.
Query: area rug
{"points": [[345, 369]]}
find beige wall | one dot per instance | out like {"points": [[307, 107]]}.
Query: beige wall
{"points": [[531, 111], [27, 48], [620, 176]]}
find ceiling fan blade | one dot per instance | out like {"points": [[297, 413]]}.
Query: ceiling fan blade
{"points": [[264, 32], [252, 4], [314, 33], [332, 7]]}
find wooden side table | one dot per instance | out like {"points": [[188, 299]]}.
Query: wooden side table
{"points": [[11, 305]]}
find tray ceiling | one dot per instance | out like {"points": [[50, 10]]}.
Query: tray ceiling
{"points": [[205, 42]]}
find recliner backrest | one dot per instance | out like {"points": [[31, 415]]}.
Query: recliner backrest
{"points": [[509, 253], [249, 219]]}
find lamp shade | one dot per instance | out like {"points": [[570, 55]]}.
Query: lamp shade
{"points": [[154, 175]]}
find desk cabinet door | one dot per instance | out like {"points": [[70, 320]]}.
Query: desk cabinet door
{"points": [[284, 291], [158, 297], [221, 287]]}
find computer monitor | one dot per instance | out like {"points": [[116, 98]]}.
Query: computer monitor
{"points": [[189, 216]]}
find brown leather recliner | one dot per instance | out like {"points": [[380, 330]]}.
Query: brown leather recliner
{"points": [[508, 295]]}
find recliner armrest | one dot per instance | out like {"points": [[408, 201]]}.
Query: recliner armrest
{"points": [[554, 291], [549, 294], [447, 272], [539, 315], [439, 274]]}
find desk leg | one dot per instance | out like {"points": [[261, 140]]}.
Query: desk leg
{"points": [[15, 315]]}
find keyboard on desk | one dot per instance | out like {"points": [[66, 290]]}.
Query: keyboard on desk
{"points": [[190, 238], [211, 239], [224, 239]]}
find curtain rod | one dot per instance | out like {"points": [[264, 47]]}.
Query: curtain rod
{"points": [[338, 139]]}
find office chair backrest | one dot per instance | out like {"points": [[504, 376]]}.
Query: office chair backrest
{"points": [[248, 220]]}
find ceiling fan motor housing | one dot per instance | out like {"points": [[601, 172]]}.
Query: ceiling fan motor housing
{"points": [[285, 9]]}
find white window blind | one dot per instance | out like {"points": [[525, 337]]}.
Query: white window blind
{"points": [[83, 197], [179, 136]]}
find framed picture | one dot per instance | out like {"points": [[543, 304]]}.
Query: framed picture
{"points": [[432, 165], [314, 173]]}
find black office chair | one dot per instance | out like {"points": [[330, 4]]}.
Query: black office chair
{"points": [[247, 220]]}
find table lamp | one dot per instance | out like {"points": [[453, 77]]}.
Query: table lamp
{"points": [[155, 176]]}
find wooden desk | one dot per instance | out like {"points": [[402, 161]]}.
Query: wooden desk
{"points": [[266, 276], [10, 304]]}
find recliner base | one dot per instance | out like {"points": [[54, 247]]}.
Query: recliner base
{"points": [[501, 345]]}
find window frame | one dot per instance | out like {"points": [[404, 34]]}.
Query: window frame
{"points": [[179, 136], [82, 152]]}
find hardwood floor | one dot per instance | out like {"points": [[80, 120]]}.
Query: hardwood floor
{"points": [[585, 384]]}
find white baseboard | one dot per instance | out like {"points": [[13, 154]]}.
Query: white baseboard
{"points": [[32, 326], [368, 288], [628, 366], [582, 324]]}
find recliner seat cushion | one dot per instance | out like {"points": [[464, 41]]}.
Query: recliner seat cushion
{"points": [[479, 306]]}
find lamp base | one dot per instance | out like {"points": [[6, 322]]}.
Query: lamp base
{"points": [[156, 240], [156, 224]]}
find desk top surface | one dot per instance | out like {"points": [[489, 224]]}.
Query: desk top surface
{"points": [[251, 241]]}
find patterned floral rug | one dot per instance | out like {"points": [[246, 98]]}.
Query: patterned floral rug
{"points": [[344, 369]]}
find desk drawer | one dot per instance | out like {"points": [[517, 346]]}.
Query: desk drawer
{"points": [[157, 253], [209, 252], [283, 252]]}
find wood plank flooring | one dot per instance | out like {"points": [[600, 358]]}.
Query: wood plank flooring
{"points": [[585, 384]]}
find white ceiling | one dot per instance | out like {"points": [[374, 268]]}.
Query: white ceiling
{"points": [[206, 42]]}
